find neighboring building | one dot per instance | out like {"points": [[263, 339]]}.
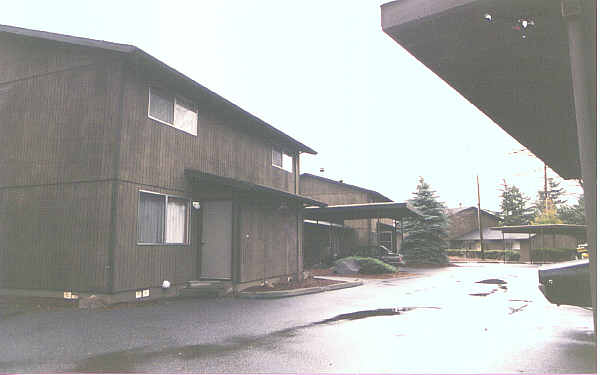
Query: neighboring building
{"points": [[463, 220], [464, 234], [118, 172], [325, 239]]}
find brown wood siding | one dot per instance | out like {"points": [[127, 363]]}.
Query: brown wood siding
{"points": [[55, 237], [144, 266], [23, 57], [332, 193], [267, 241], [466, 222], [58, 127], [337, 194], [156, 154], [58, 111]]}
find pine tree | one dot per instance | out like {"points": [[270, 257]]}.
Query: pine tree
{"points": [[514, 209], [573, 214], [426, 242], [555, 196]]}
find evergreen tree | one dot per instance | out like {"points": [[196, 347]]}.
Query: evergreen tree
{"points": [[426, 242], [555, 197], [514, 209], [572, 214]]}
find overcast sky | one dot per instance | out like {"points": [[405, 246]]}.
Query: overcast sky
{"points": [[325, 73]]}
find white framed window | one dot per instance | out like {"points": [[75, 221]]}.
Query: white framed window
{"points": [[172, 110], [162, 219], [282, 160]]}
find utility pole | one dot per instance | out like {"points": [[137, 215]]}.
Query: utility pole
{"points": [[545, 187], [479, 220]]}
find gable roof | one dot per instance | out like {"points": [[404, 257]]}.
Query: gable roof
{"points": [[454, 211], [354, 187], [251, 123]]}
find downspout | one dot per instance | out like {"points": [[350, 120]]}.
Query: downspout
{"points": [[299, 213]]}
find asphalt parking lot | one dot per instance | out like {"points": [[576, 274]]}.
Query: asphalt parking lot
{"points": [[442, 321]]}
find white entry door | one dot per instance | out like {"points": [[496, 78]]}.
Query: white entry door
{"points": [[215, 257]]}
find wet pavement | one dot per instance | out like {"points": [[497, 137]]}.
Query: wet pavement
{"points": [[470, 319]]}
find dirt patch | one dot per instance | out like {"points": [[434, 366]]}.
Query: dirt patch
{"points": [[308, 283]]}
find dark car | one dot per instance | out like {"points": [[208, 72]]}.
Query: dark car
{"points": [[567, 283]]}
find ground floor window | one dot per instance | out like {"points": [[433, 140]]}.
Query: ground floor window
{"points": [[162, 219]]}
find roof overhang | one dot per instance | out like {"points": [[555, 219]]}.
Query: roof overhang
{"points": [[245, 187], [523, 84], [338, 213], [572, 229]]}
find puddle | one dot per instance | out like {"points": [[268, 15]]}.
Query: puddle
{"points": [[485, 294], [492, 281], [370, 313], [515, 310], [129, 360]]}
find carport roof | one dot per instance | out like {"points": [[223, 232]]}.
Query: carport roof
{"points": [[519, 77], [573, 229], [245, 186], [389, 210]]}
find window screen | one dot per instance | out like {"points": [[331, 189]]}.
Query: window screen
{"points": [[161, 106], [277, 158]]}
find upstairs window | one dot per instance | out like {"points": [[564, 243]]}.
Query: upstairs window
{"points": [[282, 160], [172, 110]]}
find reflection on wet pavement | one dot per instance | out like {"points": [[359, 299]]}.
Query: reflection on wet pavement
{"points": [[370, 313], [127, 361]]}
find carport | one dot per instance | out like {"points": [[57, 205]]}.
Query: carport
{"points": [[528, 65], [578, 231], [383, 210]]}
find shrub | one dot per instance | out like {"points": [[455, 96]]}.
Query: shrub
{"points": [[368, 251], [371, 265], [509, 255], [553, 255]]}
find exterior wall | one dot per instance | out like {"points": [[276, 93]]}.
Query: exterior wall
{"points": [[146, 266], [153, 156], [466, 221], [55, 237], [58, 107], [156, 154], [268, 240], [555, 241]]}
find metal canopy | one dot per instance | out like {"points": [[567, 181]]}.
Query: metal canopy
{"points": [[523, 84], [246, 187], [387, 210]]}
